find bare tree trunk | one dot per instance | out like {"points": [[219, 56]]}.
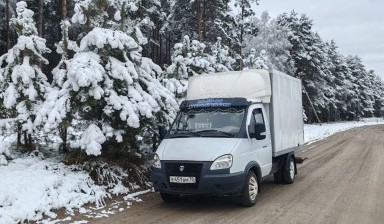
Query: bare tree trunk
{"points": [[63, 9], [199, 20], [40, 18], [161, 50], [18, 135], [310, 103], [7, 20], [63, 130], [241, 37], [25, 138], [169, 49], [30, 142], [154, 46], [203, 20], [158, 39]]}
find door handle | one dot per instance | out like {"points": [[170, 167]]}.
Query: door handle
{"points": [[265, 146]]}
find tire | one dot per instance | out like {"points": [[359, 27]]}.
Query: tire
{"points": [[169, 198], [251, 189], [289, 171]]}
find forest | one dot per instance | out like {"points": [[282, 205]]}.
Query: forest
{"points": [[101, 75]]}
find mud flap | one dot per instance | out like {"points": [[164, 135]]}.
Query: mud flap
{"points": [[300, 160]]}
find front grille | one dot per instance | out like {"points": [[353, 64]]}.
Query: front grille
{"points": [[190, 170]]}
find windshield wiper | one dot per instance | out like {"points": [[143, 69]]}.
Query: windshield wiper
{"points": [[184, 131], [216, 132]]}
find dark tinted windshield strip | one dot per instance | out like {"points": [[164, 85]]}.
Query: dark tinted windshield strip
{"points": [[214, 103]]}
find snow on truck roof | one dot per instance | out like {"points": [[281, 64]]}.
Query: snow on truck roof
{"points": [[253, 85]]}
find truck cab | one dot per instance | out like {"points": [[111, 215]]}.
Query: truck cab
{"points": [[222, 145]]}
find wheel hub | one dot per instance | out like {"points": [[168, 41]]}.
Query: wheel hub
{"points": [[292, 170], [253, 188]]}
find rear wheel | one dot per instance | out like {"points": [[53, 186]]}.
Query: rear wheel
{"points": [[251, 190], [289, 172], [169, 198]]}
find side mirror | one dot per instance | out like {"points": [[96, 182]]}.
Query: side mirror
{"points": [[252, 131], [258, 131], [162, 132]]}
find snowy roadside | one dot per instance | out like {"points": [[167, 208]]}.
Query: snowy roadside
{"points": [[315, 132], [33, 187]]}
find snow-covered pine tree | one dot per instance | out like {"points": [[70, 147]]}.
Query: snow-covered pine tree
{"points": [[3, 29], [188, 60], [215, 20], [221, 58], [113, 89], [55, 114], [363, 102], [273, 39], [200, 20], [243, 25], [155, 12], [204, 21], [22, 80], [253, 60], [379, 96], [336, 81], [309, 54], [51, 25]]}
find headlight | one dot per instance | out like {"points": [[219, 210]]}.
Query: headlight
{"points": [[156, 162], [223, 162]]}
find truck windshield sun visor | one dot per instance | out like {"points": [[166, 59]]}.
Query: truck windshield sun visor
{"points": [[208, 122]]}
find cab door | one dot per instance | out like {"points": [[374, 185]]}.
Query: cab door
{"points": [[259, 138]]}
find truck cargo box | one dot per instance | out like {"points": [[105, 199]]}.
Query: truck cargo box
{"points": [[286, 113]]}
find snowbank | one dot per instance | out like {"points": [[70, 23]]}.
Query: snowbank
{"points": [[7, 138], [31, 187], [5, 145], [314, 132]]}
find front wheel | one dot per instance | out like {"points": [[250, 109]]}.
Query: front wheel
{"points": [[251, 189]]}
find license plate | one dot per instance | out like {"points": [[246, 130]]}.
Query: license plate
{"points": [[182, 180]]}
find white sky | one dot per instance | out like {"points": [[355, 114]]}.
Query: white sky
{"points": [[357, 26]]}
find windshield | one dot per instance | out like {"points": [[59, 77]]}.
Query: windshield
{"points": [[213, 122]]}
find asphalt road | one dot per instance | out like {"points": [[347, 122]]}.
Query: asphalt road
{"points": [[342, 181]]}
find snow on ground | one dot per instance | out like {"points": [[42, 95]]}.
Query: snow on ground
{"points": [[32, 186], [315, 132]]}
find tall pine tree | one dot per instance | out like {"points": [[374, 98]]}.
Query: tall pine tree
{"points": [[22, 80]]}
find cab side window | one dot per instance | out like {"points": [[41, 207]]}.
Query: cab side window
{"points": [[258, 114]]}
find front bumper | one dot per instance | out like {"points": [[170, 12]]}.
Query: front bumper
{"points": [[208, 182]]}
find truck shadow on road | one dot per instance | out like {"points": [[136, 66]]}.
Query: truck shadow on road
{"points": [[215, 203]]}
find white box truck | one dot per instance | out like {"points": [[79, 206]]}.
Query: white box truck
{"points": [[233, 130]]}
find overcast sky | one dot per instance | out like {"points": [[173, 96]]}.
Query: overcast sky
{"points": [[357, 26]]}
